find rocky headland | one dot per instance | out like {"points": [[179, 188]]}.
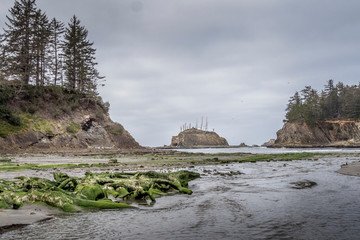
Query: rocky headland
{"points": [[337, 133], [193, 137], [54, 119]]}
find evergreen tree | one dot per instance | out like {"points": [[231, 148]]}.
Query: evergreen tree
{"points": [[35, 50], [306, 94], [57, 29], [294, 111], [311, 109], [79, 59], [40, 44], [2, 61], [335, 102], [18, 38], [332, 103]]}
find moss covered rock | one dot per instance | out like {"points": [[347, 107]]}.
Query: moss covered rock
{"points": [[92, 190]]}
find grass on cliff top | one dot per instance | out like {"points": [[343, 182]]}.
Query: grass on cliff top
{"points": [[43, 105], [27, 121], [35, 123]]}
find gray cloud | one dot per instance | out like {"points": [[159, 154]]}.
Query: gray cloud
{"points": [[235, 61]]}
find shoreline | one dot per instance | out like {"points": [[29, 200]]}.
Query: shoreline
{"points": [[260, 146]]}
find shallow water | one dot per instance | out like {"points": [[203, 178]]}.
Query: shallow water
{"points": [[265, 150], [259, 204]]}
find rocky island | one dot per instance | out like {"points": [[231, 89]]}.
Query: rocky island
{"points": [[193, 137]]}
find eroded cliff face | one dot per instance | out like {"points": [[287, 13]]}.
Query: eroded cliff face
{"points": [[324, 134], [80, 129], [197, 138]]}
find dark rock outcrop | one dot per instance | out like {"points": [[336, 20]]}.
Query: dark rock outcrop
{"points": [[339, 133], [198, 138], [269, 143]]}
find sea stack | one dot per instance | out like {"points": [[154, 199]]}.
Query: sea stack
{"points": [[193, 137]]}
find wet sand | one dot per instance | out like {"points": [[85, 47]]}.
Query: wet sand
{"points": [[11, 219], [134, 163], [352, 169]]}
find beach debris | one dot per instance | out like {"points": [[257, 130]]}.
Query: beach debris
{"points": [[303, 184], [93, 191]]}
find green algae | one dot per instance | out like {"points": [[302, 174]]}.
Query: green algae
{"points": [[93, 190], [90, 192]]}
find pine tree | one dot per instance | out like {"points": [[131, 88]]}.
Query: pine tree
{"points": [[2, 61], [79, 59], [294, 111], [336, 102], [18, 39], [57, 29], [40, 44]]}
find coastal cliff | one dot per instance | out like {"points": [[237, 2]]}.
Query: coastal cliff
{"points": [[339, 133], [198, 138], [54, 119]]}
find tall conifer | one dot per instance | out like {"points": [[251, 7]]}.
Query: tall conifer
{"points": [[40, 46], [57, 29], [18, 38], [79, 58]]}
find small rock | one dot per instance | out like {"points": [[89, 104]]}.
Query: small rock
{"points": [[303, 184]]}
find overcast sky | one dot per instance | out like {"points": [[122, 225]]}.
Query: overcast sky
{"points": [[236, 62]]}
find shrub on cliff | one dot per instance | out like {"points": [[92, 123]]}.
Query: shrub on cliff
{"points": [[20, 103]]}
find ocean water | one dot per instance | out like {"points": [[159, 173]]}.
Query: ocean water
{"points": [[260, 203], [265, 150]]}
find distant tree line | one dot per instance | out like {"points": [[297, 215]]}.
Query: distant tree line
{"points": [[42, 52], [335, 102]]}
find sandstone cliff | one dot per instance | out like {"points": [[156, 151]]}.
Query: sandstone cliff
{"points": [[58, 121], [324, 134], [197, 138]]}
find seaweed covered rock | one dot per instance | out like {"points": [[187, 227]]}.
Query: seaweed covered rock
{"points": [[93, 190]]}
